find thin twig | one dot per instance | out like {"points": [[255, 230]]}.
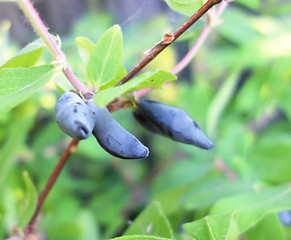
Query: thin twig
{"points": [[163, 44], [196, 46], [71, 148], [34, 19], [222, 166]]}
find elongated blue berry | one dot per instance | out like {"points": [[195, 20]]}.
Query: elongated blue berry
{"points": [[74, 117], [171, 122], [285, 217], [114, 138]]}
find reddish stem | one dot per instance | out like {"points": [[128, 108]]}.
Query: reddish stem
{"points": [[161, 46], [34, 19], [71, 148]]}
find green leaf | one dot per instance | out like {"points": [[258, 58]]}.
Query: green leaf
{"points": [[171, 198], [121, 73], [238, 28], [186, 7], [28, 56], [252, 207], [234, 215], [17, 84], [139, 237], [271, 157], [88, 225], [16, 133], [152, 221], [155, 79], [31, 202], [213, 228], [253, 4], [211, 188], [269, 227], [85, 47], [221, 100], [105, 60]]}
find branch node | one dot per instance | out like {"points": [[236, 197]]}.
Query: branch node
{"points": [[60, 62], [73, 149], [167, 39]]}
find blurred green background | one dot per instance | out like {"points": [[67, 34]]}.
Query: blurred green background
{"points": [[237, 89]]}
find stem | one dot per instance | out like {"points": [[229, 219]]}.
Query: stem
{"points": [[222, 166], [34, 19], [191, 54], [71, 148], [160, 47]]}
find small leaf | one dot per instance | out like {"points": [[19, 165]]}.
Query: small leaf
{"points": [[28, 56], [17, 84], [31, 202], [186, 7], [155, 79], [121, 73], [105, 60], [85, 47], [213, 228], [151, 221]]}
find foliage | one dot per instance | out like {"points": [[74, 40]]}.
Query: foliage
{"points": [[237, 89]]}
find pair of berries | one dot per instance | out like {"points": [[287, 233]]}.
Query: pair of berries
{"points": [[79, 120]]}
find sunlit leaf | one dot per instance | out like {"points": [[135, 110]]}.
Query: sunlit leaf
{"points": [[269, 227], [85, 47], [155, 79], [17, 84], [151, 221], [187, 7], [105, 60], [252, 207], [27, 57], [121, 73], [234, 215], [213, 228]]}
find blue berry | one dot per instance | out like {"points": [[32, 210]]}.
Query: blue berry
{"points": [[74, 117], [114, 138], [172, 122]]}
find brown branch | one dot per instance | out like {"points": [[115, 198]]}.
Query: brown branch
{"points": [[168, 39], [71, 148]]}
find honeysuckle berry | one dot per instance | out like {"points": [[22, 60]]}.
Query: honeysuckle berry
{"points": [[114, 138], [74, 117], [285, 217], [172, 122]]}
